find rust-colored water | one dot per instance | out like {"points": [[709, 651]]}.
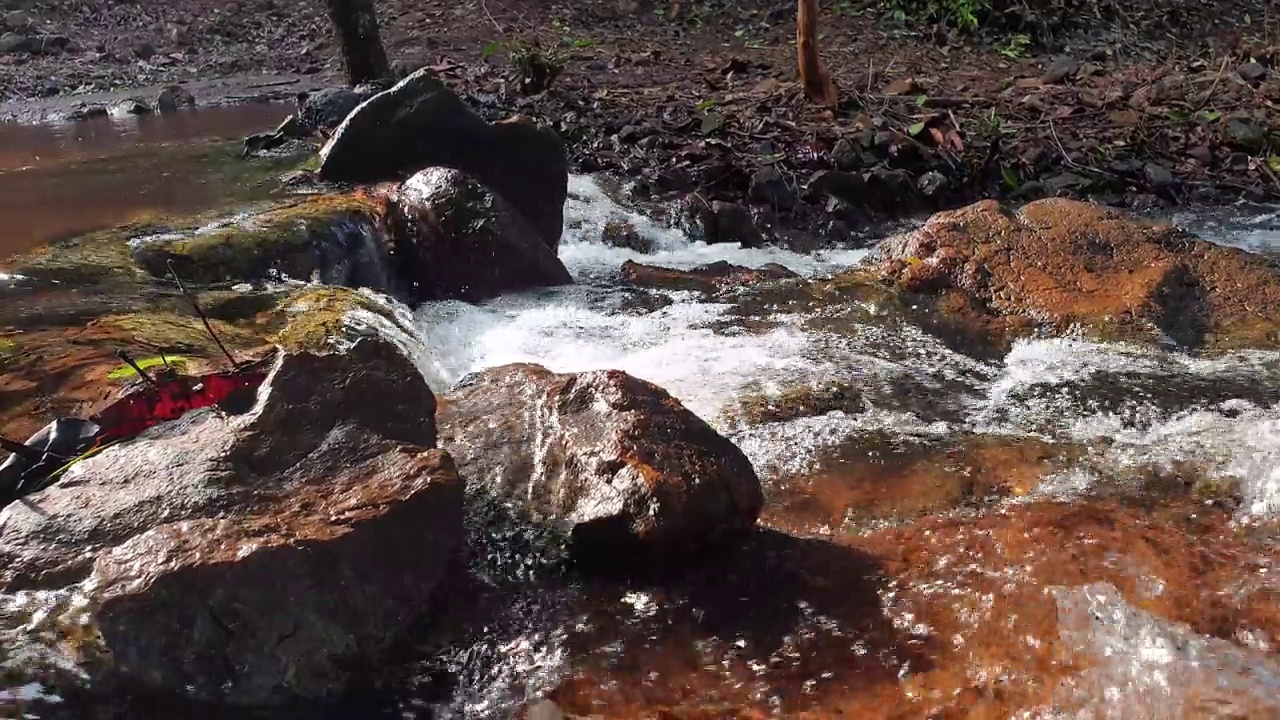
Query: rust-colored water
{"points": [[60, 180]]}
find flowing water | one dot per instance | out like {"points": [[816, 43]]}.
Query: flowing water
{"points": [[958, 538]]}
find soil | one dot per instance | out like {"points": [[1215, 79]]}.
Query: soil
{"points": [[1148, 103]]}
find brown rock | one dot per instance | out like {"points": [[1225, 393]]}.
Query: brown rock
{"points": [[419, 124], [318, 416], [1060, 262], [707, 278], [280, 603], [456, 239], [615, 460]]}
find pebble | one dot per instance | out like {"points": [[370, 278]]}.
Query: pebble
{"points": [[1158, 176], [1252, 72], [1060, 69]]}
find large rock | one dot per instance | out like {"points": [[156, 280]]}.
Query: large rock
{"points": [[615, 460], [259, 557], [316, 414], [420, 123], [456, 239], [334, 239], [1061, 263]]}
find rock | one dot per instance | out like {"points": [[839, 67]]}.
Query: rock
{"points": [[769, 188], [1201, 154], [616, 461], [419, 123], [48, 44], [621, 234], [846, 155], [848, 187], [1252, 73], [932, 184], [706, 278], [1062, 68], [1061, 263], [128, 107], [17, 19], [456, 239], [335, 239], [173, 97], [732, 223], [12, 42], [889, 190], [1244, 134], [1158, 176], [144, 50], [324, 110], [255, 559], [341, 410]]}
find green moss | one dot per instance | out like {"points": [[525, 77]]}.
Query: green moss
{"points": [[312, 319], [167, 332], [284, 238], [90, 259]]}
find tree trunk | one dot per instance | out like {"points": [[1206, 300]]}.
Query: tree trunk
{"points": [[817, 83], [356, 25]]}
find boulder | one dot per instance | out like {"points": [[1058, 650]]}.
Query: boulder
{"points": [[335, 239], [324, 110], [419, 123], [261, 557], [706, 278], [456, 239], [616, 461], [1062, 263], [316, 412]]}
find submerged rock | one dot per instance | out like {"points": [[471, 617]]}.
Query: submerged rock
{"points": [[420, 123], [252, 558], [615, 460], [456, 239], [1063, 263], [706, 278]]}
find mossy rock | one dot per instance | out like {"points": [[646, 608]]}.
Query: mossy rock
{"points": [[757, 406], [319, 317], [86, 260], [167, 332], [321, 237]]}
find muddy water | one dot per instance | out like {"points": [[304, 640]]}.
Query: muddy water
{"points": [[64, 179]]}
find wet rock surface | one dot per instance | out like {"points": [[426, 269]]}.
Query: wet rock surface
{"points": [[616, 461], [1063, 263], [257, 558], [706, 278], [420, 123], [457, 239]]}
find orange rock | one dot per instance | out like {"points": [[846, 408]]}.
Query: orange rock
{"points": [[1062, 263]]}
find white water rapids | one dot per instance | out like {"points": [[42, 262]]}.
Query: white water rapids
{"points": [[1132, 406]]}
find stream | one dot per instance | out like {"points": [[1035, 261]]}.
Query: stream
{"points": [[815, 614]]}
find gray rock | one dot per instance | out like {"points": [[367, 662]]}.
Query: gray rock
{"points": [[1158, 176], [457, 239], [1062, 68], [617, 462], [932, 184], [17, 19], [128, 107], [1246, 134], [1252, 72], [846, 155], [848, 187], [419, 123], [173, 97], [768, 187], [12, 42], [144, 50], [325, 109]]}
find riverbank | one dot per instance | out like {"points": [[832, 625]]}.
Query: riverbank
{"points": [[1165, 103]]}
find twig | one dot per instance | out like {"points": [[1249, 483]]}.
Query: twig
{"points": [[485, 6], [1217, 79], [23, 451], [203, 318], [136, 368]]}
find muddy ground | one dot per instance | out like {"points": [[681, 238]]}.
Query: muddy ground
{"points": [[1147, 103]]}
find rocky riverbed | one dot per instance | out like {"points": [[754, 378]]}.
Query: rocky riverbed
{"points": [[454, 444]]}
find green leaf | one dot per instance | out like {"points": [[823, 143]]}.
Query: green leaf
{"points": [[916, 129], [1273, 162], [705, 105], [921, 100], [124, 371], [583, 43], [1008, 177], [1208, 116], [490, 49]]}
